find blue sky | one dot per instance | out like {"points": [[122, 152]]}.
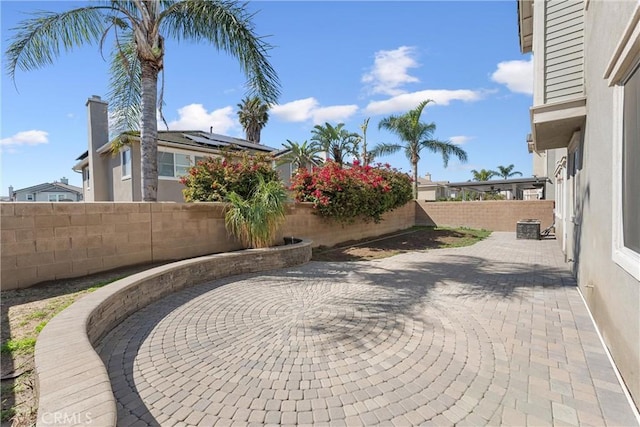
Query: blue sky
{"points": [[337, 62]]}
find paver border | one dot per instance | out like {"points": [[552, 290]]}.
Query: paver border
{"points": [[72, 382]]}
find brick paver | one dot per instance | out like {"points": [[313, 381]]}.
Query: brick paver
{"points": [[495, 333]]}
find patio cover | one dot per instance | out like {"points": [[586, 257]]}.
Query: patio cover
{"points": [[515, 185]]}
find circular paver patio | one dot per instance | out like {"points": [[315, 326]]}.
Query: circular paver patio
{"points": [[479, 335]]}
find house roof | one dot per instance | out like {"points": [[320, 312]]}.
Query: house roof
{"points": [[525, 25], [187, 139], [425, 181], [196, 139], [501, 184], [51, 187]]}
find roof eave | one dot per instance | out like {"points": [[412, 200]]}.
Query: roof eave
{"points": [[525, 25]]}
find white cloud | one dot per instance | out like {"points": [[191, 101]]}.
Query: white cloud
{"points": [[407, 101], [295, 111], [71, 116], [196, 117], [305, 109], [460, 139], [28, 137], [336, 113], [516, 75], [389, 71]]}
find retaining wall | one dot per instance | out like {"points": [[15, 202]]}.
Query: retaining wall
{"points": [[73, 384]]}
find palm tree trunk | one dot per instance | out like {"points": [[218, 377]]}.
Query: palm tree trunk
{"points": [[149, 132], [414, 165]]}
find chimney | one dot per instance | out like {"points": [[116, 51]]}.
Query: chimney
{"points": [[427, 176], [64, 180], [98, 125], [11, 193]]}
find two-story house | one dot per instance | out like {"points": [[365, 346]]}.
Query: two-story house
{"points": [[585, 126], [56, 191], [116, 176]]}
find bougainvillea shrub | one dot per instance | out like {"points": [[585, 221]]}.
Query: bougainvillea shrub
{"points": [[213, 178], [350, 193]]}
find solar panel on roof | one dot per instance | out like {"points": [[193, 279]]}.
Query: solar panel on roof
{"points": [[206, 141], [215, 139]]}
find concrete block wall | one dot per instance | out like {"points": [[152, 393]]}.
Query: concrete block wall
{"points": [[49, 241], [301, 222], [494, 215]]}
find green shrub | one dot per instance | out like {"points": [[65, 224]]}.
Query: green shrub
{"points": [[212, 179]]}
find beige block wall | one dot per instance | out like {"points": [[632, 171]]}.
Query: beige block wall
{"points": [[301, 222], [48, 241], [494, 215]]}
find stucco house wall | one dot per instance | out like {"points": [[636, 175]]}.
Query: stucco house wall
{"points": [[584, 160], [612, 294]]}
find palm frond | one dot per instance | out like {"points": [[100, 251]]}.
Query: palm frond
{"points": [[385, 149], [303, 155], [446, 148], [228, 26], [125, 85], [39, 40]]}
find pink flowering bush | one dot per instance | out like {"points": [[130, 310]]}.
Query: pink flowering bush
{"points": [[350, 193]]}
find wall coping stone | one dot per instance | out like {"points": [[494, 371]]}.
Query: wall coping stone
{"points": [[72, 382]]}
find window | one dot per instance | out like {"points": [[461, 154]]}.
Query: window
{"points": [[29, 197], [183, 163], [623, 74], [174, 165], [125, 156], [630, 156], [574, 167], [165, 164], [56, 197]]}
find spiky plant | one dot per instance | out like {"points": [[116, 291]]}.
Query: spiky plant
{"points": [[255, 220]]}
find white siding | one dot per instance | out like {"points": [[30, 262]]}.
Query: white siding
{"points": [[564, 50]]}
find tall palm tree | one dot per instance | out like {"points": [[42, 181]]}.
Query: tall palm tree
{"points": [[253, 115], [336, 141], [139, 28], [483, 174], [506, 172], [416, 136], [303, 155]]}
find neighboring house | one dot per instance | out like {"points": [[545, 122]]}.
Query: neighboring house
{"points": [[431, 191], [586, 137], [57, 191], [109, 176]]}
